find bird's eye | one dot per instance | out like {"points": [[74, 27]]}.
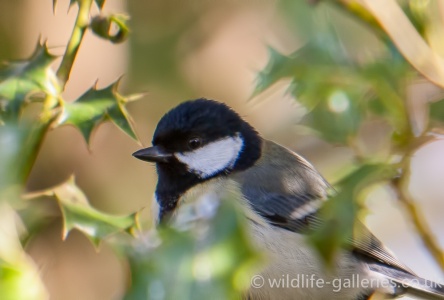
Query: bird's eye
{"points": [[194, 143]]}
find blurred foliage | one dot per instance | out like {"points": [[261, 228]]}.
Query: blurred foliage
{"points": [[340, 86], [212, 259], [437, 111], [19, 278], [341, 89], [215, 263], [158, 29], [339, 213]]}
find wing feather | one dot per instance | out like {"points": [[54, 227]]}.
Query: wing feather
{"points": [[288, 195]]}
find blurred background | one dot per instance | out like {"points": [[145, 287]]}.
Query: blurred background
{"points": [[184, 50]]}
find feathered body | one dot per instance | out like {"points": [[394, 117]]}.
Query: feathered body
{"points": [[204, 148]]}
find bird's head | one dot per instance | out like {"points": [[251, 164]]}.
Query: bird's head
{"points": [[196, 141]]}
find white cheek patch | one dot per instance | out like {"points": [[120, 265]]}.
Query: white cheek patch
{"points": [[213, 157]]}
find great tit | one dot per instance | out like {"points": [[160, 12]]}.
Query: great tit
{"points": [[203, 145]]}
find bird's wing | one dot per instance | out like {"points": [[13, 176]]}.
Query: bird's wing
{"points": [[276, 210], [300, 214], [287, 192]]}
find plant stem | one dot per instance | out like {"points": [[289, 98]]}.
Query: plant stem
{"points": [[30, 147], [36, 133], [421, 226], [75, 40]]}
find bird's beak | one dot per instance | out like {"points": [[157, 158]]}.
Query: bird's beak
{"points": [[153, 154]]}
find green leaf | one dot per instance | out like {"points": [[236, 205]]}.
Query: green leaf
{"points": [[96, 106], [19, 276], [337, 116], [20, 79], [103, 25], [338, 214], [303, 16], [214, 261], [385, 82], [279, 66], [329, 65], [326, 85], [437, 111], [312, 68], [78, 214], [338, 92]]}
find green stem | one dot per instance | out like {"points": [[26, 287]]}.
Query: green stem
{"points": [[32, 134], [415, 215], [401, 186], [37, 132], [75, 40], [30, 147]]}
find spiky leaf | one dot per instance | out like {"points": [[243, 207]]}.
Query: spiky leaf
{"points": [[337, 91], [20, 79], [96, 106], [79, 214]]}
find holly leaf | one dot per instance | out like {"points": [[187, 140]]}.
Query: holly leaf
{"points": [[79, 214], [212, 259], [330, 69], [338, 92], [340, 211], [19, 274], [325, 84], [337, 116], [279, 66], [97, 106], [322, 60], [20, 79]]}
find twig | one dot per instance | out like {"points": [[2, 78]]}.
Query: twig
{"points": [[75, 40], [421, 226]]}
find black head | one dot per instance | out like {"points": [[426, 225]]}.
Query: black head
{"points": [[197, 141]]}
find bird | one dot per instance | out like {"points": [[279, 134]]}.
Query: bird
{"points": [[203, 146]]}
